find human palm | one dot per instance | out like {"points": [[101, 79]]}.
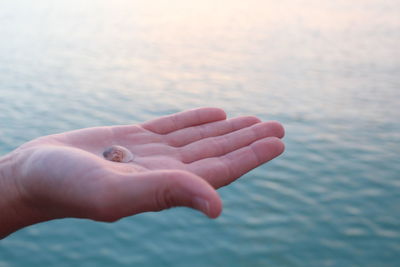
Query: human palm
{"points": [[179, 160]]}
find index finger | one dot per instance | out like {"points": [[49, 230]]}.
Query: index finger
{"points": [[221, 171]]}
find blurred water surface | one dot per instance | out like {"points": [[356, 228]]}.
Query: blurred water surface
{"points": [[328, 70]]}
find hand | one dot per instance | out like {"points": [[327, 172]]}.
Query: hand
{"points": [[179, 160]]}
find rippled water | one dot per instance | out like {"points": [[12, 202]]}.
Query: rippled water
{"points": [[328, 70]]}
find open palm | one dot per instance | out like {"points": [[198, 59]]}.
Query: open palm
{"points": [[179, 160]]}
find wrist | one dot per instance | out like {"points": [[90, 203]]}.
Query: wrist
{"points": [[14, 212]]}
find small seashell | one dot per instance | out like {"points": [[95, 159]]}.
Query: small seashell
{"points": [[118, 154]]}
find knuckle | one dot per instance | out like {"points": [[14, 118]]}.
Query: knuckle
{"points": [[164, 199], [166, 196], [101, 207]]}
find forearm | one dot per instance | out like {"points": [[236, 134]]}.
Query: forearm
{"points": [[14, 213]]}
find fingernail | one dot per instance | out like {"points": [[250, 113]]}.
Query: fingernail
{"points": [[201, 204]]}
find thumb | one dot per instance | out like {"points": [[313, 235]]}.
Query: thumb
{"points": [[158, 190]]}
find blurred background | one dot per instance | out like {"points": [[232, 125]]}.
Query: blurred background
{"points": [[328, 70]]}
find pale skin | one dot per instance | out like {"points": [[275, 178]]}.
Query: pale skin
{"points": [[179, 160]]}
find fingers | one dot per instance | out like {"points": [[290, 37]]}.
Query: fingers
{"points": [[223, 144], [191, 134], [155, 191], [220, 171], [177, 121]]}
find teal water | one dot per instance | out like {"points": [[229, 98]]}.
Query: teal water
{"points": [[328, 70]]}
